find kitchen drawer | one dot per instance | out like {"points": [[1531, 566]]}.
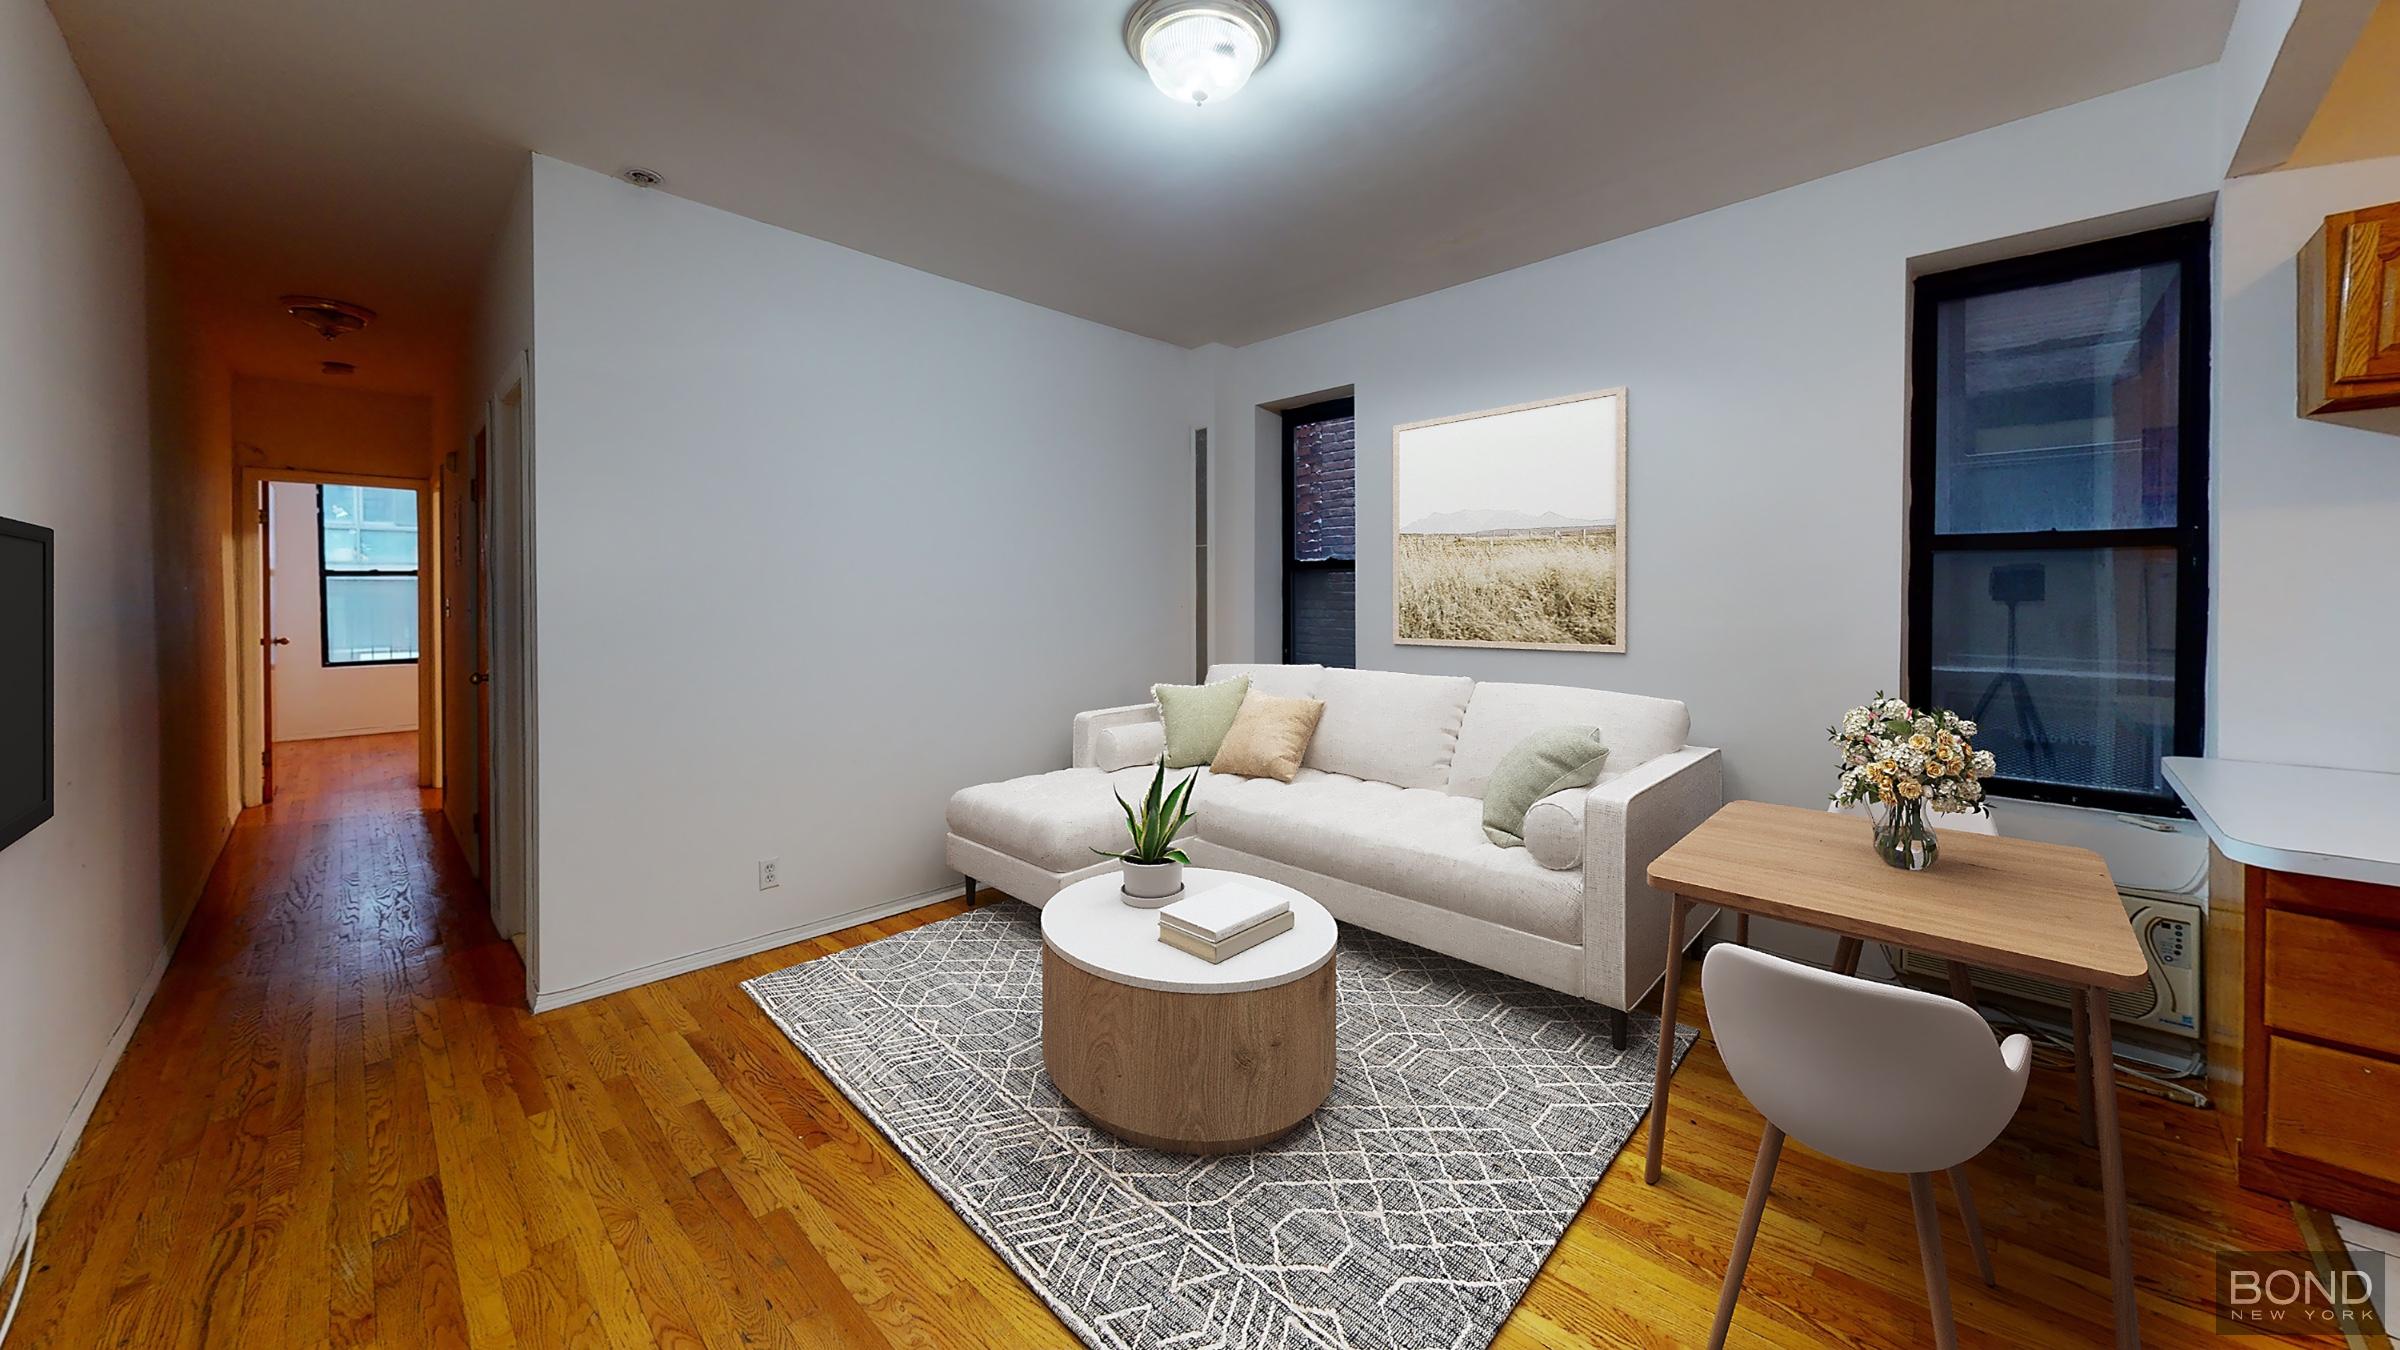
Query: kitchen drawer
{"points": [[2357, 899], [2335, 1107], [2333, 980]]}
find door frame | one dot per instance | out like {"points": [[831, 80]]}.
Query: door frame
{"points": [[250, 650], [507, 608]]}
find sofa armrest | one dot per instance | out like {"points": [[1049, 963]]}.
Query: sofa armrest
{"points": [[1089, 725], [1628, 821]]}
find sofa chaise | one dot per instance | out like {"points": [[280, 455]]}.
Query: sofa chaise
{"points": [[1383, 824]]}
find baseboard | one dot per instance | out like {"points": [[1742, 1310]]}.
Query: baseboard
{"points": [[70, 1134], [547, 1000]]}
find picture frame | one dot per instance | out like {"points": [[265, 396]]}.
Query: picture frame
{"points": [[1508, 526]]}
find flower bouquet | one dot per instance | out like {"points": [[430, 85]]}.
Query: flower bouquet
{"points": [[1902, 762]]}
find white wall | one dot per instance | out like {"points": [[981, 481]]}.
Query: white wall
{"points": [[314, 700], [192, 492], [820, 540], [2306, 641], [84, 925], [1764, 346]]}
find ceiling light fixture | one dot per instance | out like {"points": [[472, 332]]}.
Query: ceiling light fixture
{"points": [[330, 318], [1200, 51]]}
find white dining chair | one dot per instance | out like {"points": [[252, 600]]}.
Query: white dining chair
{"points": [[1876, 1075]]}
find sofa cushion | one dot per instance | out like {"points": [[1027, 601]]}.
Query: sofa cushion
{"points": [[1129, 743], [1418, 843], [1389, 727], [1197, 716], [1280, 681], [1268, 737], [1054, 820], [1638, 728], [1550, 760], [1554, 829]]}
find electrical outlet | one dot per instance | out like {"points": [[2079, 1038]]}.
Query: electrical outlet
{"points": [[766, 875]]}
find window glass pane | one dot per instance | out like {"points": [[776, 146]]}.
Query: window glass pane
{"points": [[341, 504], [2055, 406], [387, 506], [370, 529], [370, 619], [1324, 496], [1324, 616], [388, 549], [2065, 658]]}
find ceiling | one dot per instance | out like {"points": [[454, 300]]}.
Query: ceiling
{"points": [[2360, 117], [1390, 148]]}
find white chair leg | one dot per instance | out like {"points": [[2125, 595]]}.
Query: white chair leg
{"points": [[1929, 1246], [1762, 1180], [1966, 1214]]}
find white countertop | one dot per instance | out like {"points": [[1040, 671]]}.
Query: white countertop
{"points": [[2294, 818], [1092, 929]]}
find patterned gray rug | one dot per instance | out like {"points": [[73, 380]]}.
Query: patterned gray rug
{"points": [[1471, 1115]]}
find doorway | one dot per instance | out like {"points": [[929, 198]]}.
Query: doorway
{"points": [[336, 612], [487, 674]]}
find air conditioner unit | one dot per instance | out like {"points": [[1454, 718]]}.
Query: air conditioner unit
{"points": [[2169, 929]]}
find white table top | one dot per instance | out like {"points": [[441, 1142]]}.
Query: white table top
{"points": [[1093, 930], [2294, 818]]}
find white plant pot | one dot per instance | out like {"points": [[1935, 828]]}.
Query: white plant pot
{"points": [[1149, 885]]}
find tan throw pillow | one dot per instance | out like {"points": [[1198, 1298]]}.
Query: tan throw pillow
{"points": [[1268, 736]]}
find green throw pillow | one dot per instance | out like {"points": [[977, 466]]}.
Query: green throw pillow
{"points": [[1551, 760], [1198, 716]]}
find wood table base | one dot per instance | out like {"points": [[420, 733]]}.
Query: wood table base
{"points": [[1188, 1073]]}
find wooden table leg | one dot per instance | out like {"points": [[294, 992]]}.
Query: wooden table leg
{"points": [[1672, 987], [1845, 955], [1741, 930], [1962, 983], [2095, 1057], [2083, 1067]]}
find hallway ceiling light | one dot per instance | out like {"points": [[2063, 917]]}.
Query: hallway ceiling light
{"points": [[1200, 51], [330, 318]]}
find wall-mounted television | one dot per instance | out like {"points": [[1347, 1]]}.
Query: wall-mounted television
{"points": [[28, 679]]}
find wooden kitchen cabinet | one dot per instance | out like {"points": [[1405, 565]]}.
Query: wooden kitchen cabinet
{"points": [[2321, 1096], [2350, 313]]}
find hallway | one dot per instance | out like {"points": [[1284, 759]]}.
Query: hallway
{"points": [[335, 1127], [247, 1160]]}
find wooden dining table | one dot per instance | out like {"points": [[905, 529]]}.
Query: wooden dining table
{"points": [[2040, 910]]}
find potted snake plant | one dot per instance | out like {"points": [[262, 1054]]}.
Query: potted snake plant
{"points": [[1153, 866]]}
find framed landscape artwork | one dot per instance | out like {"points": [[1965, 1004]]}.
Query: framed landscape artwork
{"points": [[1509, 527]]}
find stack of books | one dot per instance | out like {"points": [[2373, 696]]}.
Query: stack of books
{"points": [[1222, 920]]}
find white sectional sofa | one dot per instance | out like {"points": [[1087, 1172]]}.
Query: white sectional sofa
{"points": [[1383, 824]]}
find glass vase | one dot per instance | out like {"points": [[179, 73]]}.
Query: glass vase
{"points": [[1902, 837]]}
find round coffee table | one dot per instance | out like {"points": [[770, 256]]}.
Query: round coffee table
{"points": [[1163, 1049]]}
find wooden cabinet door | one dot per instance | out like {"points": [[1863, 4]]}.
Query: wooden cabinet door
{"points": [[2367, 341], [2350, 312]]}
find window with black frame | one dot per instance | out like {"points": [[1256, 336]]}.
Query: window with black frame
{"points": [[367, 574], [2058, 518], [1320, 555]]}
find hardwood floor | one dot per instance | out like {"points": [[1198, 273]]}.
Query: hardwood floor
{"points": [[338, 1126]]}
